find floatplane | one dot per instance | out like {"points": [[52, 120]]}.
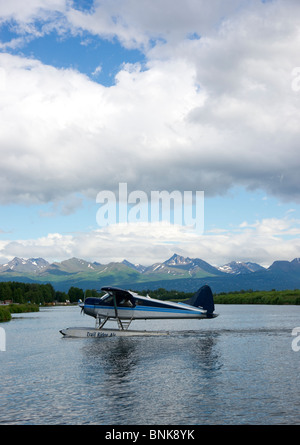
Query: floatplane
{"points": [[124, 306]]}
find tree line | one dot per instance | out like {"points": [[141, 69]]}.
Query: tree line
{"points": [[35, 293], [248, 296]]}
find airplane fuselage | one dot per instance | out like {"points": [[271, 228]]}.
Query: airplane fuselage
{"points": [[139, 307], [124, 306]]}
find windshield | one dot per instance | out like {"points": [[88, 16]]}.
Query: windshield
{"points": [[122, 299]]}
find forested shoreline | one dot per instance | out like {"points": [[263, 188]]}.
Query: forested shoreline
{"points": [[240, 297], [27, 297]]}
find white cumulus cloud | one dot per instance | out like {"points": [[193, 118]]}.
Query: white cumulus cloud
{"points": [[212, 112], [265, 241]]}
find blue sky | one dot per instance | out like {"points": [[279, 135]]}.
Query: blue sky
{"points": [[163, 96]]}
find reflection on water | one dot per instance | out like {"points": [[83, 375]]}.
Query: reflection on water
{"points": [[236, 369], [151, 377]]}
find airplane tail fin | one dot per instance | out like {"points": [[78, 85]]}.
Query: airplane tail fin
{"points": [[203, 298]]}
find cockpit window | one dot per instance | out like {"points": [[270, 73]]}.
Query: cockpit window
{"points": [[125, 303], [109, 300], [121, 300]]}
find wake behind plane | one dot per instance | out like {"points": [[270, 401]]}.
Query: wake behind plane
{"points": [[125, 306]]}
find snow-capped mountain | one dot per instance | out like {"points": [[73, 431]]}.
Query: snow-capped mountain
{"points": [[23, 265], [138, 267], [240, 267], [178, 265], [178, 272]]}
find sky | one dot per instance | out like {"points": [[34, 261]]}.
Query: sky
{"points": [[161, 95]]}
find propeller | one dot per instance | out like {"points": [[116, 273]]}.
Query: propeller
{"points": [[81, 304]]}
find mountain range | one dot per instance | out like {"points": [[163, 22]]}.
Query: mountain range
{"points": [[178, 272]]}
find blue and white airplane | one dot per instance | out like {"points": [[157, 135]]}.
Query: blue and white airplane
{"points": [[125, 306]]}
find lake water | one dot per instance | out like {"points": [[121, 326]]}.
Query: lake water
{"points": [[239, 368]]}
